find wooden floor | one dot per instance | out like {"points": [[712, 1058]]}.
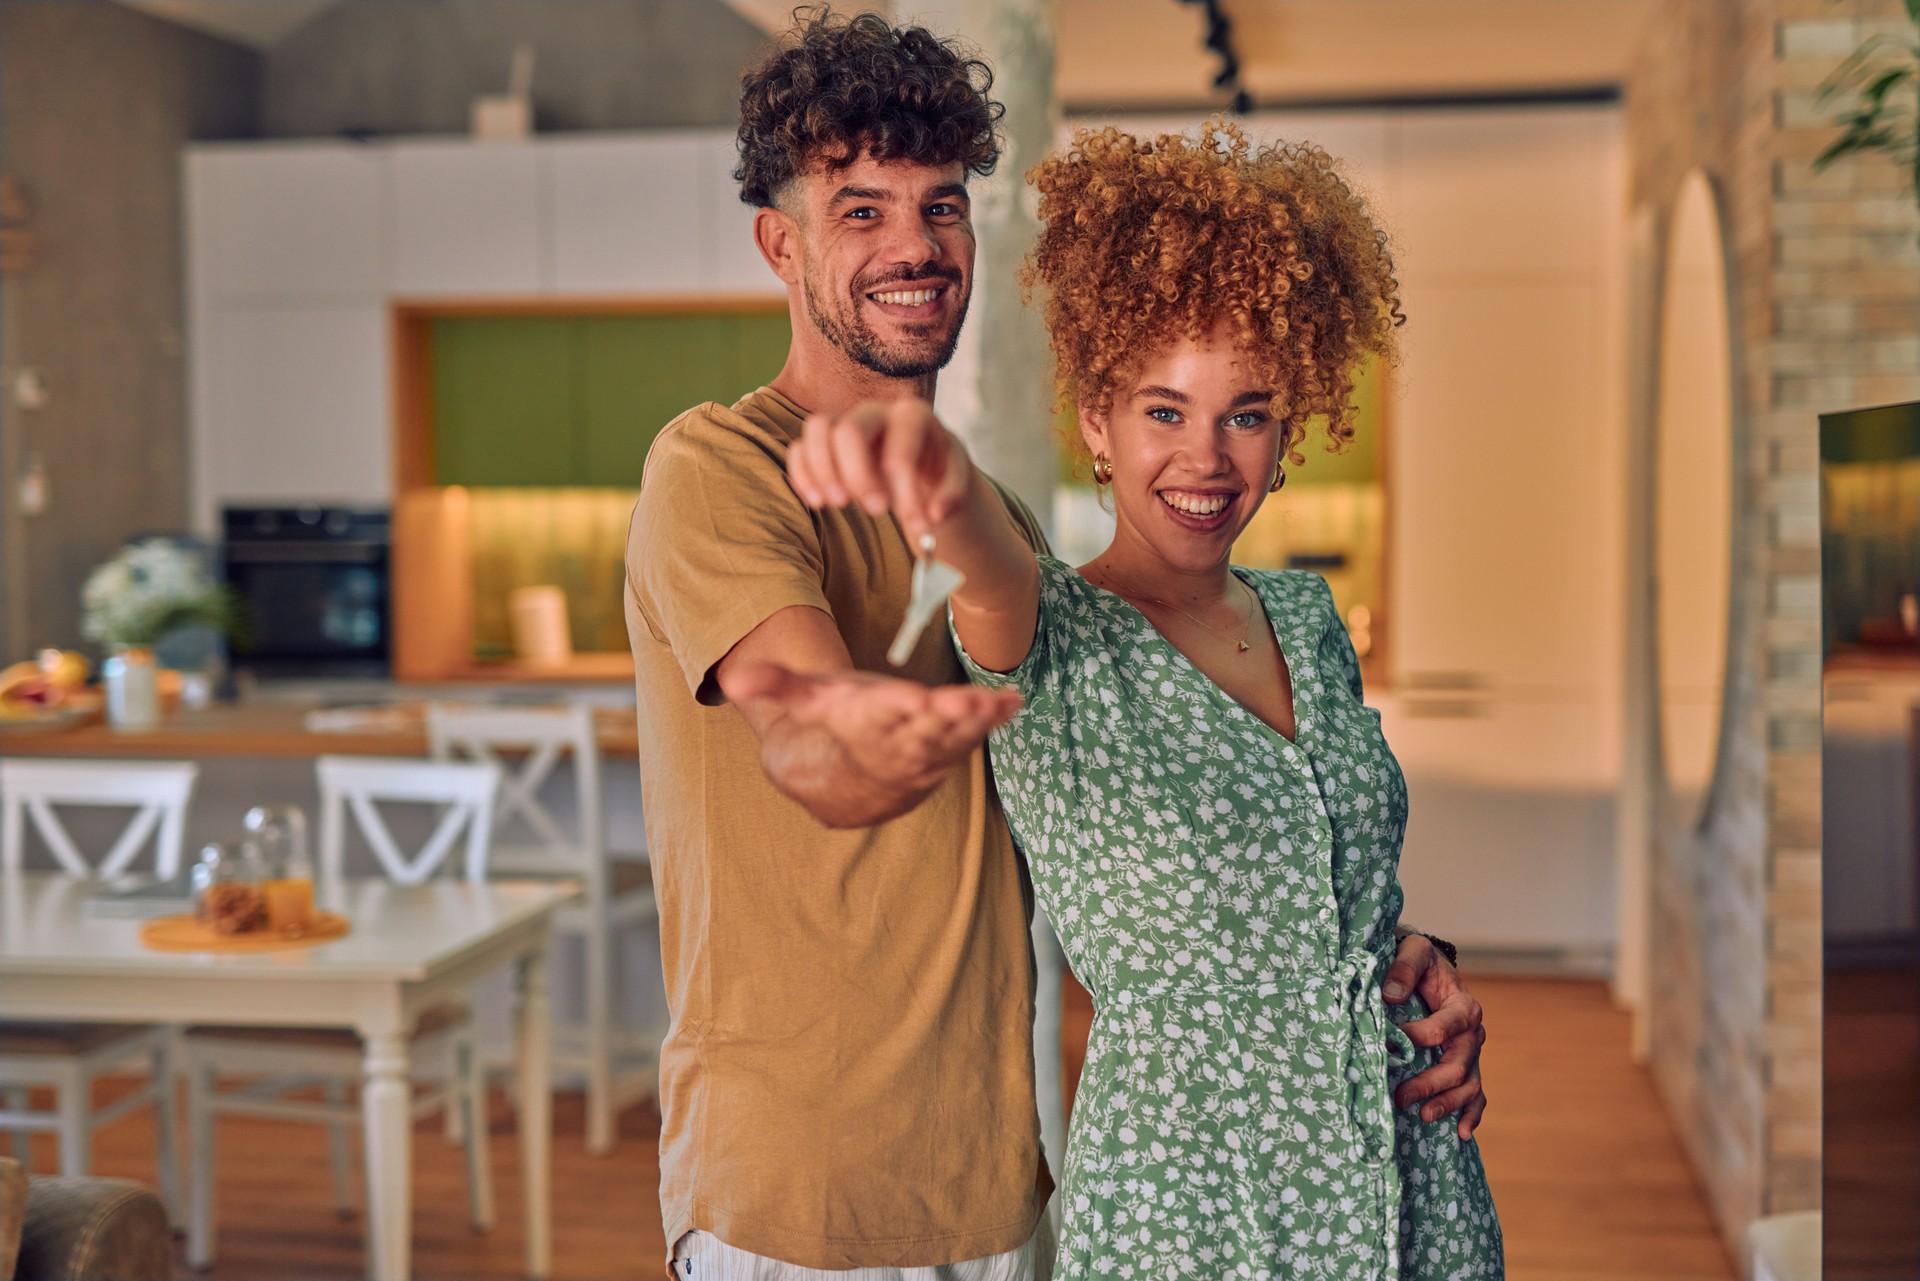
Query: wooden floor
{"points": [[1585, 1170]]}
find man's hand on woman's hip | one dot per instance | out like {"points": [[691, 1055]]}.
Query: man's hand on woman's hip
{"points": [[1453, 1023]]}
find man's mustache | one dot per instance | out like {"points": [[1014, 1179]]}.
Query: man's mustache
{"points": [[949, 274]]}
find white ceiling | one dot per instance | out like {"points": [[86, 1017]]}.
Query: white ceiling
{"points": [[1148, 52], [259, 23]]}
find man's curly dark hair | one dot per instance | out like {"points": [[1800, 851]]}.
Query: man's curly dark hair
{"points": [[841, 86]]}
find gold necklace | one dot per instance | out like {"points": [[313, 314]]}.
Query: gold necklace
{"points": [[1246, 633]]}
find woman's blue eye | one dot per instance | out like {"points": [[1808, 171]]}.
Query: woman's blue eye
{"points": [[1162, 414], [1250, 419]]}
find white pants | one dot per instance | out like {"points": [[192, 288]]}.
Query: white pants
{"points": [[702, 1256]]}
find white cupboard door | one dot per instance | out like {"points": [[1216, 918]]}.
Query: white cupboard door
{"points": [[1510, 828], [279, 220], [626, 214], [1504, 483], [731, 262], [298, 405], [466, 220]]}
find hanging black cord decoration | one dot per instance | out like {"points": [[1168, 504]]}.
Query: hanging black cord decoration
{"points": [[1220, 41]]}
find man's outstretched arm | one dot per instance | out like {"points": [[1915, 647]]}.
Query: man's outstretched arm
{"points": [[853, 748]]}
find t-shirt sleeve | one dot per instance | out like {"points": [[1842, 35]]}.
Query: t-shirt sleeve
{"points": [[719, 543], [1039, 674], [1023, 519]]}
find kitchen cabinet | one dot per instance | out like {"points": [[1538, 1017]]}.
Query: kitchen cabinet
{"points": [[731, 262], [269, 221], [577, 400], [629, 214], [279, 425], [466, 219]]}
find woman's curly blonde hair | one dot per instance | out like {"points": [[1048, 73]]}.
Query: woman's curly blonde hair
{"points": [[1147, 241]]}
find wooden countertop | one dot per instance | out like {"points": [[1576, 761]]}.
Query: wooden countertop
{"points": [[268, 729]]}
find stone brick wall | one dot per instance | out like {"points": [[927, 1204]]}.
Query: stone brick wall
{"points": [[1824, 276]]}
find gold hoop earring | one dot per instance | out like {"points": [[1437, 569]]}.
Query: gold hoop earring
{"points": [[1102, 470], [1279, 479]]}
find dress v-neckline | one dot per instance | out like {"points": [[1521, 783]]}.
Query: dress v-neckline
{"points": [[1286, 660]]}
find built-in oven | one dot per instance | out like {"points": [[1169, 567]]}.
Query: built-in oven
{"points": [[313, 585]]}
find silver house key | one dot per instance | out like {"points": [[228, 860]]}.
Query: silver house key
{"points": [[933, 582]]}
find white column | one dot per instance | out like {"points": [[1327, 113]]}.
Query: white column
{"points": [[998, 392]]}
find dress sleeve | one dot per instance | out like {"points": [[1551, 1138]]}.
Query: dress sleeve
{"points": [[1337, 643], [719, 543], [1037, 676]]}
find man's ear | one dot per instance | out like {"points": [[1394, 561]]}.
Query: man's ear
{"points": [[778, 238]]}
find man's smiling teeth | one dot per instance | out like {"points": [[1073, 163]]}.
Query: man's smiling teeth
{"points": [[1195, 504], [906, 297]]}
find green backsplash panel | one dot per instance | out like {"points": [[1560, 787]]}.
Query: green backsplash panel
{"points": [[504, 392], [577, 400]]}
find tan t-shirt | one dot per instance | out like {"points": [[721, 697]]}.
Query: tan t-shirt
{"points": [[848, 1079]]}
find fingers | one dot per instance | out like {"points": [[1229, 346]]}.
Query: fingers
{"points": [[1457, 1064], [884, 457], [1450, 1102], [1410, 965], [1471, 1114], [905, 449], [852, 441], [1455, 1018]]}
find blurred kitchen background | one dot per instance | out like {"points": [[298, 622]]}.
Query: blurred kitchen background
{"points": [[376, 307]]}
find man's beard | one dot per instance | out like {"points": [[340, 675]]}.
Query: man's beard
{"points": [[855, 337]]}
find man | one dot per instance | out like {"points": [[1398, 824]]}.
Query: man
{"points": [[848, 1081]]}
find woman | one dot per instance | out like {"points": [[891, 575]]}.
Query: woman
{"points": [[1211, 814]]}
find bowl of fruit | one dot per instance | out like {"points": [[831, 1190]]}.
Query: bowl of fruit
{"points": [[50, 690]]}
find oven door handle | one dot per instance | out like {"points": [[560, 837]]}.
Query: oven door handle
{"points": [[305, 553]]}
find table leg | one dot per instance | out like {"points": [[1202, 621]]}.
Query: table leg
{"points": [[386, 1108], [533, 1050]]}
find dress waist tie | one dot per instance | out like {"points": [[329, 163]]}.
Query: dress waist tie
{"points": [[1374, 1043]]}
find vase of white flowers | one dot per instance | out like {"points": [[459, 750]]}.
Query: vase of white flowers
{"points": [[152, 588]]}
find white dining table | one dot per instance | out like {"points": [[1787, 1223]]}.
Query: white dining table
{"points": [[409, 947]]}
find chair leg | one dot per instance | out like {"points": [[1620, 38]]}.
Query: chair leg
{"points": [[166, 1107], [76, 1123], [600, 1118], [199, 1164], [17, 1101], [340, 1153], [468, 1095]]}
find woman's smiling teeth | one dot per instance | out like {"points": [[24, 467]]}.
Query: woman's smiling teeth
{"points": [[1195, 504], [906, 297]]}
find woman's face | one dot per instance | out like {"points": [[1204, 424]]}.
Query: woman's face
{"points": [[1193, 443]]}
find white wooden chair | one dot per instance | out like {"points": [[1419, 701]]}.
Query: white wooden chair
{"points": [[273, 1062], [68, 1057], [621, 1065]]}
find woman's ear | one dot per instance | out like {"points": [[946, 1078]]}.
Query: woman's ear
{"points": [[1093, 429]]}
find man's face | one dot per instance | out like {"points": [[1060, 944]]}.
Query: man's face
{"points": [[887, 249]]}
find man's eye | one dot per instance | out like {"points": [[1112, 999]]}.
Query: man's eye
{"points": [[864, 213], [945, 210], [1162, 414]]}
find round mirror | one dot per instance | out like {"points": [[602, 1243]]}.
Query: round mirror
{"points": [[1693, 494]]}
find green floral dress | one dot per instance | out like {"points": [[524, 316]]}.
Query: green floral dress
{"points": [[1229, 897]]}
